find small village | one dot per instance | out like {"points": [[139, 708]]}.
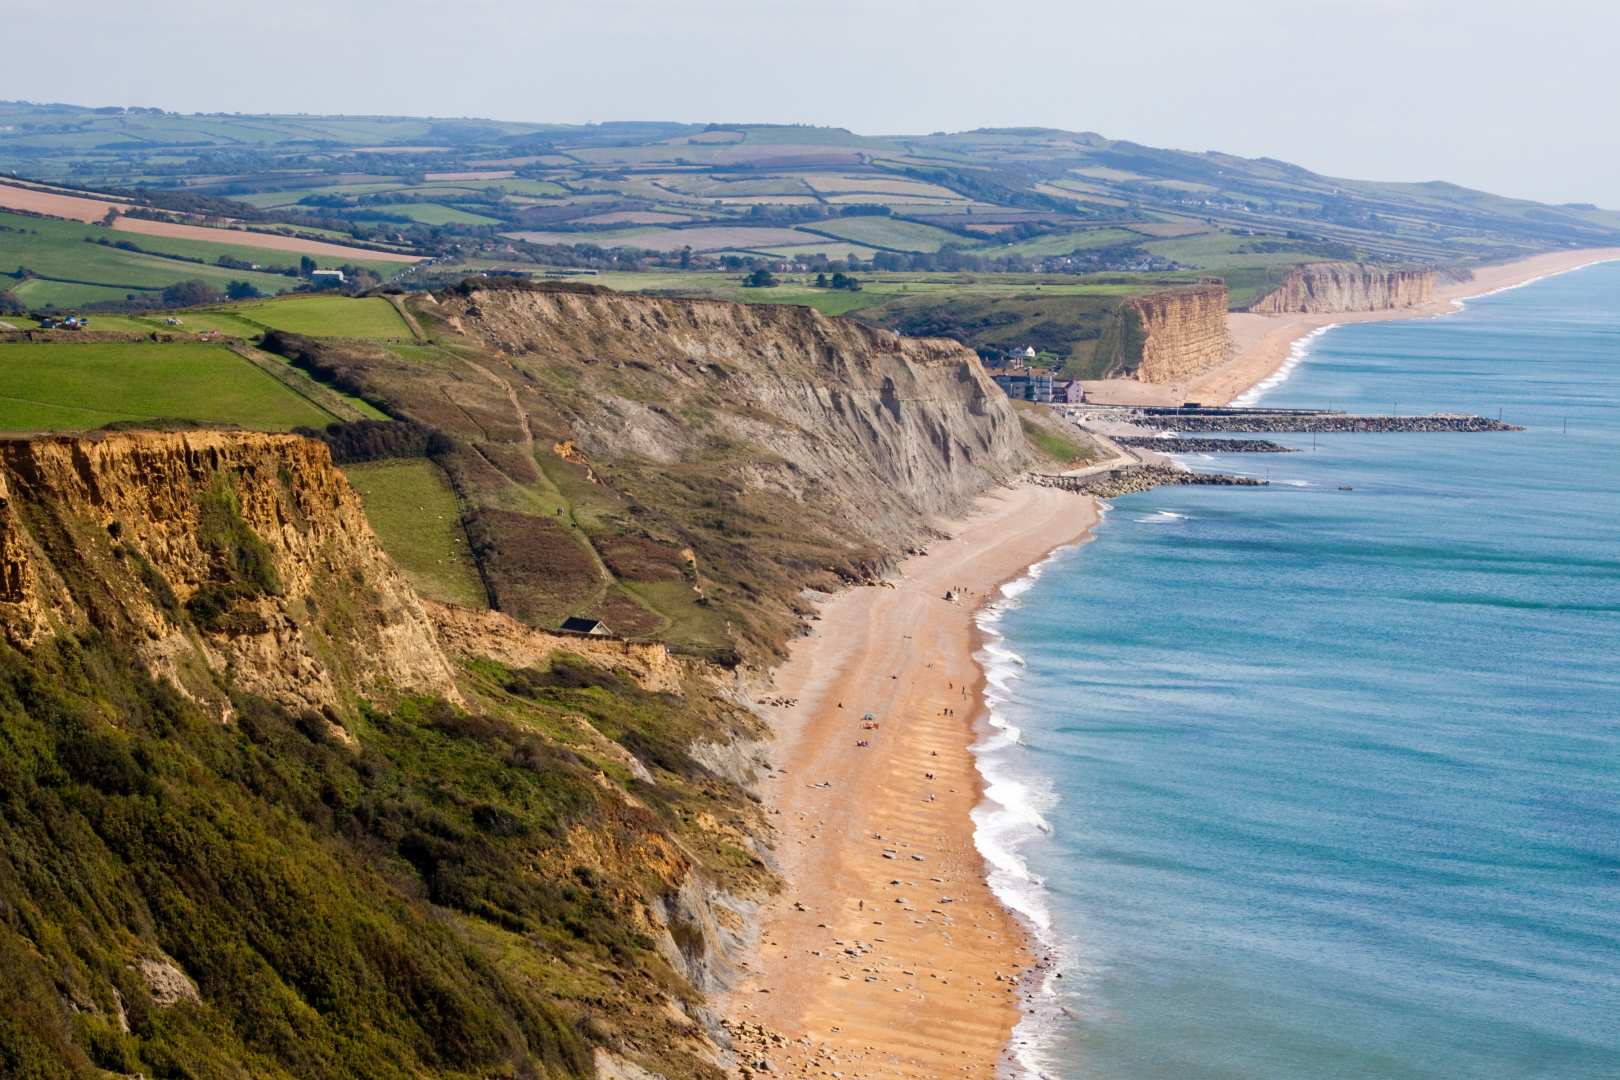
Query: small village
{"points": [[1023, 381]]}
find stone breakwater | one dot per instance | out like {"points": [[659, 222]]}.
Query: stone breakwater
{"points": [[1203, 446], [1319, 422], [1134, 478]]}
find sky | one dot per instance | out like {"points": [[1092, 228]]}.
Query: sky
{"points": [[1516, 98]]}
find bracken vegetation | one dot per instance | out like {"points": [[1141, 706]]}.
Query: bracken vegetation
{"points": [[341, 910]]}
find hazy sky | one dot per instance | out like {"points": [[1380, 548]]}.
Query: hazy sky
{"points": [[1517, 98]]}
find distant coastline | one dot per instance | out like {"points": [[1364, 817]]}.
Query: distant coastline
{"points": [[1269, 345], [901, 985]]}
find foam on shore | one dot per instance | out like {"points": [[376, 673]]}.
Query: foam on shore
{"points": [[1011, 816], [1297, 353], [1462, 301]]}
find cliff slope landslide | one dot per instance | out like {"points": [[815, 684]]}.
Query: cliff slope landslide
{"points": [[684, 468]]}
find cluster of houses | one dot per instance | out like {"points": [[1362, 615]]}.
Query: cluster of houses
{"points": [[1023, 382]]}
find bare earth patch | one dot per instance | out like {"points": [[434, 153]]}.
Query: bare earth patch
{"points": [[72, 207]]}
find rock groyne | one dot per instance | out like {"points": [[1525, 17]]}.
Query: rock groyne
{"points": [[1324, 423], [1134, 478], [1203, 446]]}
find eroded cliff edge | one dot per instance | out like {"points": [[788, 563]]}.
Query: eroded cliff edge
{"points": [[210, 550], [1325, 288], [264, 807]]}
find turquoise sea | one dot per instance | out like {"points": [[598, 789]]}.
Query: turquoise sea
{"points": [[1301, 782]]}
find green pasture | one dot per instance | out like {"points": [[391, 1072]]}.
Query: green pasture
{"points": [[887, 232], [317, 316], [414, 512], [85, 273], [434, 214], [73, 386], [1064, 243]]}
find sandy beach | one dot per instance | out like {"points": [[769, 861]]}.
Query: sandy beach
{"points": [[887, 955]]}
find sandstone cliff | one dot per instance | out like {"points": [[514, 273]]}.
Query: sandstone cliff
{"points": [[409, 803], [1332, 287], [211, 552], [1182, 332]]}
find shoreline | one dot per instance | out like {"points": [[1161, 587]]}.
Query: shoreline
{"points": [[901, 985], [888, 954]]}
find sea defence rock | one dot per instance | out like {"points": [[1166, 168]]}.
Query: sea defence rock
{"points": [[1133, 478], [209, 552], [1182, 332], [1307, 422], [1203, 446], [1344, 286]]}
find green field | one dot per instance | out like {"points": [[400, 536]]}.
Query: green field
{"points": [[887, 232], [1223, 251], [271, 199], [317, 316], [321, 315], [879, 288], [1065, 184], [1064, 243], [72, 386], [415, 515], [85, 273], [43, 293], [435, 214]]}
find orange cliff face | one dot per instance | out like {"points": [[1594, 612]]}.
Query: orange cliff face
{"points": [[1183, 332], [1326, 288], [208, 552]]}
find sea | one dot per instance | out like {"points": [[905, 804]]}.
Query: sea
{"points": [[1322, 779]]}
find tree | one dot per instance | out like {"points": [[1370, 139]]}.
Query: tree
{"points": [[359, 277], [821, 281], [759, 279], [242, 290], [686, 257], [190, 294], [306, 266]]}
